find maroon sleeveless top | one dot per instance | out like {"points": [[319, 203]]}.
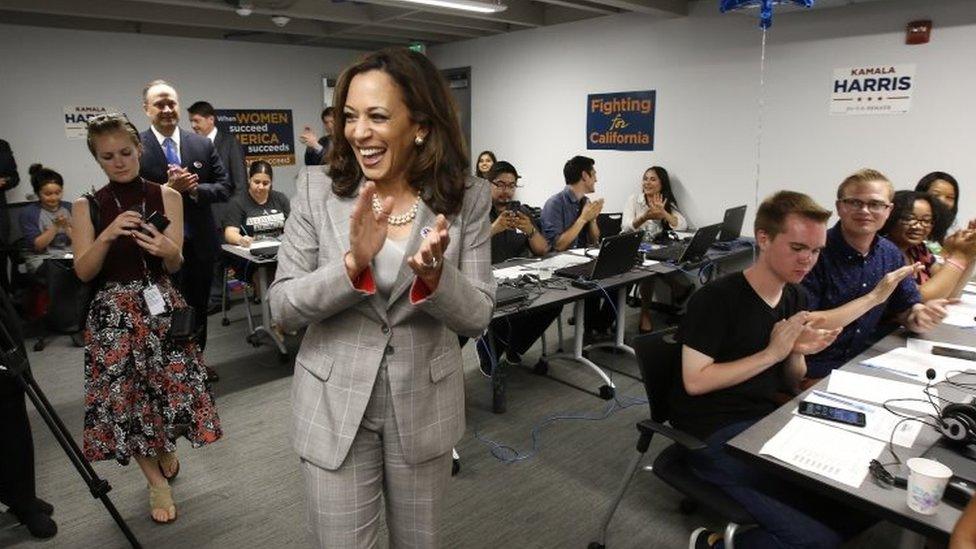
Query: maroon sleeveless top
{"points": [[122, 262]]}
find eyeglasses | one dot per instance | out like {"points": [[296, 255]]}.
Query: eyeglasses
{"points": [[912, 220], [873, 206], [505, 185]]}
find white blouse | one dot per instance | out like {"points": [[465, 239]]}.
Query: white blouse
{"points": [[636, 206]]}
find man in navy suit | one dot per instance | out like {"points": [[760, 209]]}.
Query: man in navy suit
{"points": [[189, 164], [203, 119]]}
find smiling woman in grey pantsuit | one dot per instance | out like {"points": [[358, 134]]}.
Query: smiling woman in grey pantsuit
{"points": [[385, 259]]}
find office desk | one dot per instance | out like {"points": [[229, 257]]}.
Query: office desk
{"points": [[887, 503], [572, 294], [263, 266]]}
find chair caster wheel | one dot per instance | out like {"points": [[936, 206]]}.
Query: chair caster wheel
{"points": [[225, 322], [253, 340], [606, 392], [455, 467], [39, 346], [595, 545], [541, 368], [688, 506]]}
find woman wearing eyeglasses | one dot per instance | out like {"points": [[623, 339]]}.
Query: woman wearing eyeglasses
{"points": [[919, 217]]}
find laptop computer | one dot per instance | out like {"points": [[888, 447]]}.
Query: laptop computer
{"points": [[693, 251], [732, 223], [618, 254]]}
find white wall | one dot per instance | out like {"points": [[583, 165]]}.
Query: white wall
{"points": [[42, 70], [529, 91]]}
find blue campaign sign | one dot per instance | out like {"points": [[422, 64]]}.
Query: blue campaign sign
{"points": [[621, 121], [266, 134]]}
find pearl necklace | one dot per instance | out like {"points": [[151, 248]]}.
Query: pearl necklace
{"points": [[398, 219]]}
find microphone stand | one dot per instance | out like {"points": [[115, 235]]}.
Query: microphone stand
{"points": [[14, 363]]}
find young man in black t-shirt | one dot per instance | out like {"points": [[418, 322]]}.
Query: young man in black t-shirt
{"points": [[744, 338]]}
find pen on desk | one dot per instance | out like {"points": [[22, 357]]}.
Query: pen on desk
{"points": [[835, 398], [890, 370]]}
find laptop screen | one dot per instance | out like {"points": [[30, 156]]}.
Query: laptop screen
{"points": [[732, 224]]}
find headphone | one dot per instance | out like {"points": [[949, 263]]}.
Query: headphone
{"points": [[957, 421]]}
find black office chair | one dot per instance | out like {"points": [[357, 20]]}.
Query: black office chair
{"points": [[610, 224], [659, 358]]}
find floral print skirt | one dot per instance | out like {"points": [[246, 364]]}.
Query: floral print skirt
{"points": [[142, 389]]}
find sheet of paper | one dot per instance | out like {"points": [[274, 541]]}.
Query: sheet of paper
{"points": [[821, 449], [579, 251], [270, 243], [968, 299], [970, 288], [509, 272], [961, 315], [878, 422], [649, 262], [913, 363], [878, 390], [560, 261]]}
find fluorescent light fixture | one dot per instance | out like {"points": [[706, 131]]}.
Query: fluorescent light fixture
{"points": [[466, 5]]}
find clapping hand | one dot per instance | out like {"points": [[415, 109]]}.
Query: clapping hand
{"points": [[812, 340], [656, 207], [181, 179], [591, 210], [928, 315], [367, 230], [62, 222], [784, 336], [886, 286], [428, 262]]}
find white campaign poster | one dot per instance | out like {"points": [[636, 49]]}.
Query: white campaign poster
{"points": [[76, 118], [874, 89]]}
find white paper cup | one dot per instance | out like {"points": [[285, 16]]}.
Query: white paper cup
{"points": [[927, 480]]}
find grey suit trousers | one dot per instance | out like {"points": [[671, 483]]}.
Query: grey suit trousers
{"points": [[344, 504]]}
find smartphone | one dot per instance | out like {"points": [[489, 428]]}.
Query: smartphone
{"points": [[830, 413], [158, 220], [954, 353]]}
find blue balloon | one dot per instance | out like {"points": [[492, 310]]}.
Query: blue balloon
{"points": [[765, 8]]}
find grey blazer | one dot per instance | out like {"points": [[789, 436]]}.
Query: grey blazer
{"points": [[351, 332]]}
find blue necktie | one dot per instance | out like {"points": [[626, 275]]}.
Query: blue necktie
{"points": [[169, 147]]}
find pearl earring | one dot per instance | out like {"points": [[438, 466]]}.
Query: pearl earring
{"points": [[418, 140]]}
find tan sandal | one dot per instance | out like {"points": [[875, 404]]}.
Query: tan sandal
{"points": [[161, 498], [166, 460]]}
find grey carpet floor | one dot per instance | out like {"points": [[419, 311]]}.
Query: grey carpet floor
{"points": [[245, 491]]}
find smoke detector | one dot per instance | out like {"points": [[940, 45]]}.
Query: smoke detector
{"points": [[280, 20]]}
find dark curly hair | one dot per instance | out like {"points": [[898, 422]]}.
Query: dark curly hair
{"points": [[903, 204], [439, 166], [42, 175]]}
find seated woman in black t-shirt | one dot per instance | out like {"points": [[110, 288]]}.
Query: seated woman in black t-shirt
{"points": [[259, 214]]}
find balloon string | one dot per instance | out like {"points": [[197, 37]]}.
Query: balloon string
{"points": [[762, 103]]}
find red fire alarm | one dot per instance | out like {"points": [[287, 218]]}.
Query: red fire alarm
{"points": [[918, 32]]}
